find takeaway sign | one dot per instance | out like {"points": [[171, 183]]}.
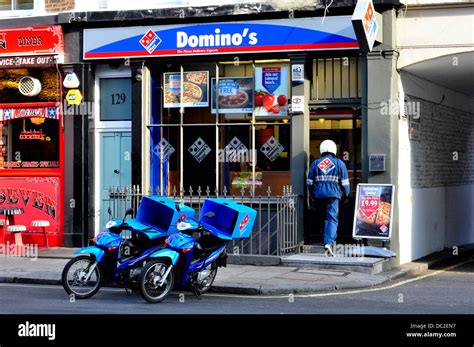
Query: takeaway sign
{"points": [[365, 24], [302, 34]]}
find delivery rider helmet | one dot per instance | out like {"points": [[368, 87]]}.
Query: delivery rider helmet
{"points": [[328, 146]]}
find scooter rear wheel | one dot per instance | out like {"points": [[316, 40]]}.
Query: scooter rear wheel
{"points": [[74, 274], [153, 287]]}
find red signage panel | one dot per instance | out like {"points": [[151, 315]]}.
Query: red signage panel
{"points": [[31, 41], [40, 199]]}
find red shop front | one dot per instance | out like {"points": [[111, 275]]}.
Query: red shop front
{"points": [[31, 129]]}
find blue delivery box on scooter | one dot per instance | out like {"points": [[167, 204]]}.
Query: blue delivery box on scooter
{"points": [[161, 213], [231, 220]]}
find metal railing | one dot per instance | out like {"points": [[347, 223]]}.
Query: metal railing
{"points": [[275, 230]]}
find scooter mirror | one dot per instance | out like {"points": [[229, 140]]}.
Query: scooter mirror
{"points": [[128, 212]]}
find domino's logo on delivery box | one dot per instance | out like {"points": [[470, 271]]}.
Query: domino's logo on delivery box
{"points": [[150, 41]]}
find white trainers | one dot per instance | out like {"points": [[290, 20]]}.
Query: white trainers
{"points": [[328, 251]]}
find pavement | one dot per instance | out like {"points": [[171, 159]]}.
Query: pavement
{"points": [[233, 279]]}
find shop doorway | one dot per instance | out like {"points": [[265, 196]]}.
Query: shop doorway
{"points": [[115, 166], [112, 137], [344, 128]]}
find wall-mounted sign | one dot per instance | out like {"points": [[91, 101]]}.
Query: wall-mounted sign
{"points": [[26, 62], [9, 113], [235, 95], [195, 89], [288, 35], [297, 73], [365, 24], [271, 91], [71, 81], [31, 41], [297, 104], [38, 196], [74, 97], [373, 211], [377, 162]]}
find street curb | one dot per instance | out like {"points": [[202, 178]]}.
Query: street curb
{"points": [[29, 280], [437, 260]]}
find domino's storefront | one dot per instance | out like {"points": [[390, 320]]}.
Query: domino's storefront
{"points": [[222, 107]]}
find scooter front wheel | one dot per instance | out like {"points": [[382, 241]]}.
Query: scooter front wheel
{"points": [[156, 282], [82, 277]]}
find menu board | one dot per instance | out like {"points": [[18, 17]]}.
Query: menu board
{"points": [[373, 211], [271, 91], [235, 95], [195, 89]]}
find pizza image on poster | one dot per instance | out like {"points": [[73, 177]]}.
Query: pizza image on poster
{"points": [[373, 211]]}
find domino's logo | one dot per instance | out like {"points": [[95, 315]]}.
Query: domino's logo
{"points": [[244, 222], [326, 165], [150, 41]]}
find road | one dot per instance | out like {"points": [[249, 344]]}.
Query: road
{"points": [[439, 292]]}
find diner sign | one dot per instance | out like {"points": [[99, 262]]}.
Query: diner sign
{"points": [[38, 196], [284, 35], [41, 40]]}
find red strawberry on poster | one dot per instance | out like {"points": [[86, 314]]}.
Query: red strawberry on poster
{"points": [[282, 100], [276, 109], [268, 102]]}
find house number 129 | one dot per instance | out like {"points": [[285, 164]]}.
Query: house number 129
{"points": [[118, 98]]}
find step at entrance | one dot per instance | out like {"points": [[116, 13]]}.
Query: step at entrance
{"points": [[320, 261]]}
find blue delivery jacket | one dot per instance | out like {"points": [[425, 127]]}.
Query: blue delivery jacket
{"points": [[326, 177]]}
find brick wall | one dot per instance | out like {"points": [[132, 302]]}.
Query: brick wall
{"points": [[442, 130], [59, 5]]}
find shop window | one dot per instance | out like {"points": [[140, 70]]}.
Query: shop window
{"points": [[115, 99], [335, 78], [13, 5], [225, 133], [29, 143]]}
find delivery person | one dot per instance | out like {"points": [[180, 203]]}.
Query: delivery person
{"points": [[325, 178]]}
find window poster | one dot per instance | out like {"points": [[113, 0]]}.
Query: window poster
{"points": [[235, 95], [195, 89], [271, 91]]}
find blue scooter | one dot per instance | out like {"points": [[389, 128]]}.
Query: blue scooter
{"points": [[119, 259], [193, 254]]}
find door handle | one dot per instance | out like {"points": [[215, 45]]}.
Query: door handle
{"points": [[117, 171]]}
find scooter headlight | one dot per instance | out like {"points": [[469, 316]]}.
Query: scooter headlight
{"points": [[111, 224]]}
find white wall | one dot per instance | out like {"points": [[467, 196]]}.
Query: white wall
{"points": [[435, 193], [432, 32]]}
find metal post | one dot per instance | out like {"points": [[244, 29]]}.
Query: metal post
{"points": [[181, 134]]}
